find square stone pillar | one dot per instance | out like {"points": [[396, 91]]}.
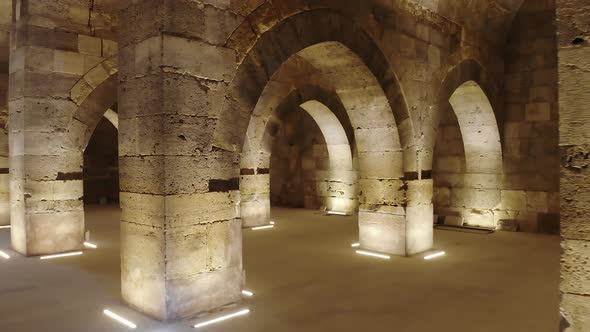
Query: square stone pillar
{"points": [[574, 140], [181, 240], [45, 169], [396, 216]]}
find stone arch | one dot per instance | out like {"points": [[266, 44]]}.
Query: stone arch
{"points": [[94, 94], [255, 161], [468, 152], [281, 40], [318, 36]]}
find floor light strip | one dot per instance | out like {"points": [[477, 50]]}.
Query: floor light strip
{"points": [[5, 227], [75, 253], [119, 319], [435, 255], [247, 293], [337, 213], [90, 245], [355, 245], [262, 227], [222, 318], [4, 255], [272, 222], [368, 253]]}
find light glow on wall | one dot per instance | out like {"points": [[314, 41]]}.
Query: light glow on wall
{"points": [[222, 318], [119, 319], [373, 254], [90, 245], [75, 253], [4, 255], [5, 227], [262, 227], [435, 255], [355, 245], [247, 293]]}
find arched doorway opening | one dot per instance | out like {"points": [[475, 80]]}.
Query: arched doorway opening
{"points": [[468, 165]]}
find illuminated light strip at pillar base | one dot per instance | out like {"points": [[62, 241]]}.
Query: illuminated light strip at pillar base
{"points": [[262, 227], [90, 245], [222, 318], [435, 255], [373, 254], [247, 293], [6, 227], [272, 222], [119, 319], [75, 253], [337, 213], [355, 245], [4, 255]]}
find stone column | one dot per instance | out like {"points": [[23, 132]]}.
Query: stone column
{"points": [[574, 136], [5, 23], [181, 249], [45, 169]]}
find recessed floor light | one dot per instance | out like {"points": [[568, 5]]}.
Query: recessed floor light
{"points": [[247, 293], [119, 319], [222, 318], [435, 255], [337, 213], [5, 227], [272, 222], [75, 253], [262, 227], [4, 255], [90, 245], [355, 245], [373, 254]]}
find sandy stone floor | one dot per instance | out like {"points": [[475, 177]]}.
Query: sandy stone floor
{"points": [[306, 277]]}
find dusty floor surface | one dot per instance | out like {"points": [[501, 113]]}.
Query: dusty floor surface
{"points": [[307, 278]]}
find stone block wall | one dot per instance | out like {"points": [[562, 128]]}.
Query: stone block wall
{"points": [[530, 143], [574, 140]]}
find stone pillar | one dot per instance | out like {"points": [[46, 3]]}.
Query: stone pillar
{"points": [[574, 116], [255, 195], [5, 23], [45, 171], [181, 249]]}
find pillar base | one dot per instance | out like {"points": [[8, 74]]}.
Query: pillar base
{"points": [[397, 234], [48, 233]]}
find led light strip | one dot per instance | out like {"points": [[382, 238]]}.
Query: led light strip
{"points": [[75, 253], [119, 319], [368, 253], [435, 255], [272, 222], [247, 293], [355, 245], [4, 255], [337, 213], [262, 227], [90, 245], [222, 318], [6, 227]]}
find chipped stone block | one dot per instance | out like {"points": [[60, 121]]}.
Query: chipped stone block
{"points": [[89, 45], [509, 225], [514, 200]]}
